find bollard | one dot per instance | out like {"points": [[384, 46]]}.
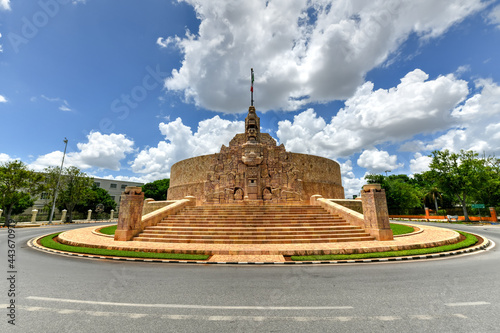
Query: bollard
{"points": [[111, 215], [89, 214], [33, 215], [63, 216]]}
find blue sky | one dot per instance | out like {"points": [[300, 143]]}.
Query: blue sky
{"points": [[136, 86]]}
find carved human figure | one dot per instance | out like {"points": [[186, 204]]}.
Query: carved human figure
{"points": [[238, 194], [266, 194]]}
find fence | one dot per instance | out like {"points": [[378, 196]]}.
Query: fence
{"points": [[492, 218]]}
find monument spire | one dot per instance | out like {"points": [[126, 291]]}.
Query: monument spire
{"points": [[251, 87]]}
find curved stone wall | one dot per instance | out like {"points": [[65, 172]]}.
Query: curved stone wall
{"points": [[319, 176]]}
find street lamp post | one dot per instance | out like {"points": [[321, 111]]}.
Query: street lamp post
{"points": [[58, 180]]}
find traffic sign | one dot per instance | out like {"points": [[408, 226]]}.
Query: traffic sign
{"points": [[477, 205]]}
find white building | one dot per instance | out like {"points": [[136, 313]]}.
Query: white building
{"points": [[114, 188]]}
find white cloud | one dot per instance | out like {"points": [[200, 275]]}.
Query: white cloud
{"points": [[64, 108], [165, 42], [494, 16], [102, 151], [123, 178], [420, 163], [5, 158], [64, 105], [378, 161], [416, 105], [412, 146], [301, 51], [352, 185], [1, 47], [181, 143], [105, 151], [4, 4], [478, 123], [3, 99]]}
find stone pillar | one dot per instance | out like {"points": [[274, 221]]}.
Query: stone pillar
{"points": [[112, 215], [375, 212], [89, 214], [33, 215], [63, 216], [130, 215], [493, 214]]}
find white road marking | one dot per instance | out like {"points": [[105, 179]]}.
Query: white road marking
{"points": [[137, 315], [422, 317], [99, 313], [228, 318], [458, 315], [387, 318], [467, 304], [191, 306]]}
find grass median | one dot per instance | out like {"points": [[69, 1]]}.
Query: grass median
{"points": [[467, 242], [49, 242]]}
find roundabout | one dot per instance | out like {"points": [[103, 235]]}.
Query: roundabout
{"points": [[424, 237]]}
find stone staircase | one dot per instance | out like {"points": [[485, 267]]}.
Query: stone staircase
{"points": [[268, 224]]}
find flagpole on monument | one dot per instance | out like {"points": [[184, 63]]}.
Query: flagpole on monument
{"points": [[251, 87]]}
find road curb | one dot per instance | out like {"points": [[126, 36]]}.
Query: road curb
{"points": [[486, 245]]}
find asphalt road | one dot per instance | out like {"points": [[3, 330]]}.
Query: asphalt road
{"points": [[57, 293]]}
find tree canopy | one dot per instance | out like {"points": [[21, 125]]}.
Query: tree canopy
{"points": [[400, 192], [157, 189], [464, 176], [95, 196], [75, 187], [18, 187], [461, 178]]}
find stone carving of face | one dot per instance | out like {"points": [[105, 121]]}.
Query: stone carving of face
{"points": [[252, 133]]}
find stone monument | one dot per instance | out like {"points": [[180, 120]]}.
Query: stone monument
{"points": [[253, 168]]}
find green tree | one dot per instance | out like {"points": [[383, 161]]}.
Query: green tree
{"points": [[18, 186], [157, 189], [401, 194], [51, 177], [75, 187], [95, 196], [489, 193], [460, 175]]}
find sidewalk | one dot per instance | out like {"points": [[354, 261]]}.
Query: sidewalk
{"points": [[46, 223]]}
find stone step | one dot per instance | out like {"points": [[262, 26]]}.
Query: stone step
{"points": [[255, 216], [164, 229], [251, 212], [256, 220], [253, 209], [249, 232], [295, 240], [260, 235], [239, 224], [262, 207]]}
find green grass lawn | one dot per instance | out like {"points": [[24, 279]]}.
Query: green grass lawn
{"points": [[49, 242], [399, 229], [108, 230], [469, 241]]}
